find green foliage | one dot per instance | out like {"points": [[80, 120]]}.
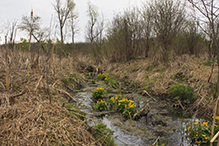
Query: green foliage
{"points": [[103, 76], [23, 45], [99, 93], [72, 79], [89, 76], [114, 83], [181, 92], [104, 135], [113, 102], [200, 132], [208, 63], [100, 106], [134, 84], [106, 78], [213, 91], [123, 105], [148, 85]]}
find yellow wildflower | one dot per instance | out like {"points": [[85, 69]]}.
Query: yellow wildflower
{"points": [[205, 124], [97, 101], [112, 99], [203, 135], [209, 131], [119, 104], [215, 125], [206, 138], [217, 117], [126, 106], [189, 127], [197, 142], [116, 97], [131, 106], [196, 135], [196, 123]]}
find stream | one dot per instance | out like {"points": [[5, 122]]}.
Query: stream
{"points": [[159, 123]]}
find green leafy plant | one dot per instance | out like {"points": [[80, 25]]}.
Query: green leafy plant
{"points": [[89, 76], [200, 132], [103, 76], [104, 134], [208, 63], [181, 92], [134, 84], [113, 102], [127, 107], [100, 106], [99, 93], [114, 83]]}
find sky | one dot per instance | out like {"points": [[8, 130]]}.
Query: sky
{"points": [[14, 10]]}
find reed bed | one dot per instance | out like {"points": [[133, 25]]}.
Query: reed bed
{"points": [[28, 115]]}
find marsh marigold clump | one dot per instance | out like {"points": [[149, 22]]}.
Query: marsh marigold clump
{"points": [[99, 93]]}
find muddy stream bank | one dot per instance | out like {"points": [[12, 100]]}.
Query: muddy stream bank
{"points": [[159, 123]]}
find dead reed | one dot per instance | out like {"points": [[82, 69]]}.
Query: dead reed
{"points": [[27, 116]]}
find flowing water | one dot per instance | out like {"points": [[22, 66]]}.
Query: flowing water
{"points": [[143, 132]]}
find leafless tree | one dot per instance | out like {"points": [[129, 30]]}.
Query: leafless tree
{"points": [[168, 19], [73, 24], [146, 26], [92, 27], [64, 12], [30, 25]]}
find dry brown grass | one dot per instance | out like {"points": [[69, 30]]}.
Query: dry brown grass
{"points": [[27, 117], [158, 78]]}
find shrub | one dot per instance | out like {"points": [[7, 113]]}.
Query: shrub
{"points": [[181, 92], [99, 93], [100, 106]]}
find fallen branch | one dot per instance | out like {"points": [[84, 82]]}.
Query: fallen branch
{"points": [[147, 107], [65, 92], [100, 113], [149, 95], [38, 83], [20, 94], [156, 141]]}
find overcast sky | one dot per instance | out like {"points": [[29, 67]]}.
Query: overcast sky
{"points": [[15, 9]]}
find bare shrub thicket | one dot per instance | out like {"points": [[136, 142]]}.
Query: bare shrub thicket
{"points": [[156, 30]]}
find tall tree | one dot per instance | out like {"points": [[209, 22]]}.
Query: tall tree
{"points": [[92, 13], [63, 12], [73, 24], [147, 26], [168, 19]]}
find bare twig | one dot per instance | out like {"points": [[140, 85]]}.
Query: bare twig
{"points": [[156, 140], [65, 92], [38, 83]]}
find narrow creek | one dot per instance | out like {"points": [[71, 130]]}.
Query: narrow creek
{"points": [[157, 123]]}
